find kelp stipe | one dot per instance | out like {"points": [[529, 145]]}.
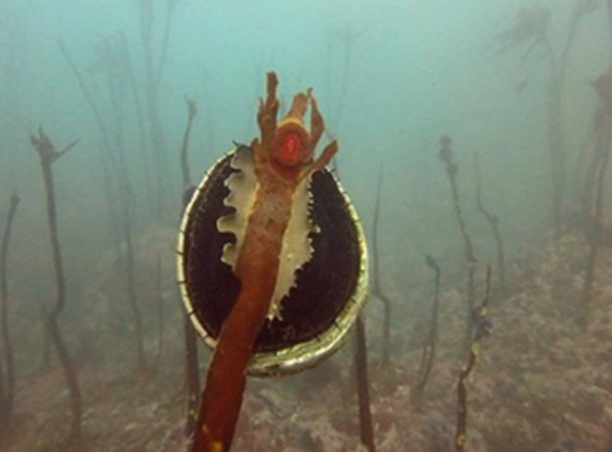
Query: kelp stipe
{"points": [[601, 157], [190, 339], [272, 261], [7, 380], [429, 348], [377, 290], [445, 154], [48, 155], [482, 328], [494, 223]]}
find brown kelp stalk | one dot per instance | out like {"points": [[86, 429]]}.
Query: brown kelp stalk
{"points": [[366, 431], [446, 156], [493, 221], [48, 155], [429, 349], [142, 366], [601, 157], [160, 311], [192, 111], [7, 388], [376, 287], [483, 328], [603, 133], [258, 261], [610, 30], [192, 377]]}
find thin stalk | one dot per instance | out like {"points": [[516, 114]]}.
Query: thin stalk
{"points": [[366, 429], [152, 88], [604, 140], [132, 298], [160, 312], [171, 4], [610, 30], [376, 286], [493, 221], [192, 377], [142, 133], [446, 156], [192, 111], [429, 350], [105, 154], [48, 155], [7, 390], [483, 328]]}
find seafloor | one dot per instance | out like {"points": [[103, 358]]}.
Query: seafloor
{"points": [[543, 381]]}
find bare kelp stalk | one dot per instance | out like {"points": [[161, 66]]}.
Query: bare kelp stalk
{"points": [[376, 286], [446, 156], [599, 165], [48, 155], [192, 377], [483, 327], [7, 385], [160, 311], [192, 111], [494, 222], [429, 349], [366, 430], [142, 366]]}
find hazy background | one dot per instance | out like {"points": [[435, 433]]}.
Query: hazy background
{"points": [[391, 77]]}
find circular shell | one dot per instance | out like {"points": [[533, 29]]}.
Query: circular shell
{"points": [[319, 310]]}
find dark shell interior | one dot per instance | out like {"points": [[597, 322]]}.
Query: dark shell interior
{"points": [[324, 285]]}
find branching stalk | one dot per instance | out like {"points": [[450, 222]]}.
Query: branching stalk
{"points": [[48, 155]]}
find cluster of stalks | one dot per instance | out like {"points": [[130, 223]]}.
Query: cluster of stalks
{"points": [[7, 377], [112, 58], [49, 155], [531, 29]]}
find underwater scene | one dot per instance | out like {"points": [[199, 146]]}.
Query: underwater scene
{"points": [[305, 226]]}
